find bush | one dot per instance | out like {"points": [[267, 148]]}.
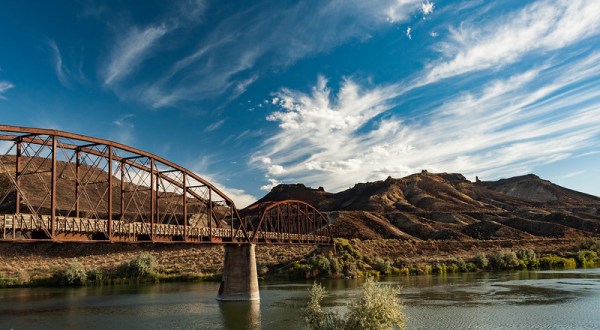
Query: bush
{"points": [[552, 262], [73, 275], [383, 266], [528, 258], [586, 258], [481, 261], [320, 264], [504, 261], [141, 266], [377, 308]]}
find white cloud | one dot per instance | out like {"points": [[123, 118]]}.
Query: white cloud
{"points": [[427, 8], [233, 54], [400, 10], [570, 175], [272, 183], [408, 31], [505, 127], [214, 126], [541, 26], [5, 86], [276, 170], [58, 65], [130, 50], [433, 34]]}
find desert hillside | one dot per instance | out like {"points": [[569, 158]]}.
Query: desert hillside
{"points": [[443, 206]]}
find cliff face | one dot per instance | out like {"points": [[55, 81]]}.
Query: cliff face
{"points": [[448, 206]]}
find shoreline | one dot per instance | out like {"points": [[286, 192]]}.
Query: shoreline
{"points": [[42, 263]]}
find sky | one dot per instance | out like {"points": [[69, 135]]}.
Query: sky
{"points": [[250, 94]]}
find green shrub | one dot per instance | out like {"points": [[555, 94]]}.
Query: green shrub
{"points": [[142, 266], [320, 264], [508, 260], [383, 266], [72, 275], [95, 276], [591, 244], [462, 265], [481, 261], [554, 262], [377, 308], [528, 258], [586, 258]]}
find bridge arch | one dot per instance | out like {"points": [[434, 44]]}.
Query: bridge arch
{"points": [[66, 186], [286, 222]]}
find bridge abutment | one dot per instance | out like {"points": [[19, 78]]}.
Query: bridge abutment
{"points": [[240, 280]]}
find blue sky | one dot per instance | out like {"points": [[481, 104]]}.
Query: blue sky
{"points": [[327, 93]]}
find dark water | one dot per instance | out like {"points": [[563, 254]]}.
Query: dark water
{"points": [[521, 300]]}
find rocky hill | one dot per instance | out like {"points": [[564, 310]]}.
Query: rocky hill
{"points": [[446, 206]]}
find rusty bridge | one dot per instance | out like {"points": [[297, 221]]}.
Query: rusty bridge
{"points": [[60, 186]]}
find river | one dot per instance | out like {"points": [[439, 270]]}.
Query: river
{"points": [[567, 299]]}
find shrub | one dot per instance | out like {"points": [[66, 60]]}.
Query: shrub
{"points": [[528, 258], [586, 258], [383, 266], [320, 264], [73, 275], [142, 266], [96, 276], [481, 261], [315, 317], [551, 262], [377, 308], [591, 244], [462, 265], [504, 261]]}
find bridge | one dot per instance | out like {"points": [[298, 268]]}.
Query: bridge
{"points": [[59, 186]]}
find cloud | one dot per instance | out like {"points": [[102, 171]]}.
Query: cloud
{"points": [[539, 27], [4, 87], [407, 32], [502, 127], [130, 50], [400, 10], [233, 54], [272, 184], [214, 126], [427, 8], [570, 175]]}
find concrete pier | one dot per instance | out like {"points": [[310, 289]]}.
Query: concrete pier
{"points": [[240, 281]]}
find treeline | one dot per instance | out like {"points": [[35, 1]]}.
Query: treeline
{"points": [[349, 262]]}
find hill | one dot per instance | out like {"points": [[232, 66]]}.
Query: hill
{"points": [[447, 206]]}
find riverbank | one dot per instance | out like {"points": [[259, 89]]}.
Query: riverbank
{"points": [[46, 264]]}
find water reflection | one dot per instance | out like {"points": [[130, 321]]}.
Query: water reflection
{"points": [[240, 314], [536, 300]]}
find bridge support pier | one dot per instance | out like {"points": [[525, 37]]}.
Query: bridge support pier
{"points": [[240, 280]]}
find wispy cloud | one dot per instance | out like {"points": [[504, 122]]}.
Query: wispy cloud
{"points": [[214, 126], [130, 50], [4, 87], [570, 175], [541, 26], [507, 126], [234, 53]]}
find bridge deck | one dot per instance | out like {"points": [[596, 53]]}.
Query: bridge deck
{"points": [[21, 226]]}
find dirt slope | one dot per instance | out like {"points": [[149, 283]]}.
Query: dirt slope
{"points": [[447, 206]]}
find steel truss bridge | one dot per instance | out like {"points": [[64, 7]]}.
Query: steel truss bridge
{"points": [[60, 186]]}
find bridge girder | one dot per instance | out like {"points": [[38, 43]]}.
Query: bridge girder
{"points": [[66, 186]]}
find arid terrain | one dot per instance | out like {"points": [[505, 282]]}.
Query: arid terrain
{"points": [[416, 219]]}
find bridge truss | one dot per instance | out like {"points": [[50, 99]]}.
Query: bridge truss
{"points": [[60, 186]]}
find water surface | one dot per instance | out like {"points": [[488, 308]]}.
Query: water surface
{"points": [[519, 300]]}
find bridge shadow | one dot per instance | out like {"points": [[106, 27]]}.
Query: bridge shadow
{"points": [[240, 314]]}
